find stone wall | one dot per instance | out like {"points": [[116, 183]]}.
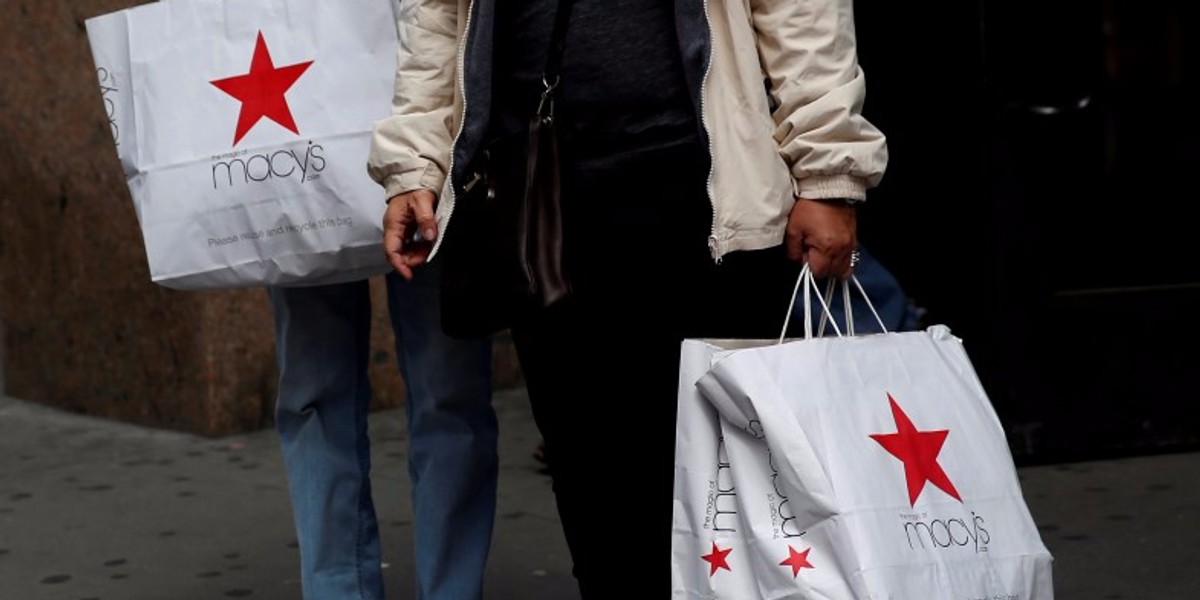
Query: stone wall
{"points": [[81, 325]]}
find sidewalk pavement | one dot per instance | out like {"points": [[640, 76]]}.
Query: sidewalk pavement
{"points": [[100, 510], [91, 508]]}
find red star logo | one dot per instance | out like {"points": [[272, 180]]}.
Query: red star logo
{"points": [[261, 90], [716, 559], [797, 560], [919, 451]]}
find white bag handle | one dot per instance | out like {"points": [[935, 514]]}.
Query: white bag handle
{"points": [[808, 281]]}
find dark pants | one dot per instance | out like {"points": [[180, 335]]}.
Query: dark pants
{"points": [[602, 366]]}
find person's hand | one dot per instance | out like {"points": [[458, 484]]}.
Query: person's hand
{"points": [[407, 214], [822, 233]]}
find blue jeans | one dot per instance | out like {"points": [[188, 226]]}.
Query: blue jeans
{"points": [[322, 346]]}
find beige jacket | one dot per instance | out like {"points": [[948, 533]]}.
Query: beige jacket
{"points": [[815, 144]]}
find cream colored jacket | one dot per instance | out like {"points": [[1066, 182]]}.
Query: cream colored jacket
{"points": [[815, 144]]}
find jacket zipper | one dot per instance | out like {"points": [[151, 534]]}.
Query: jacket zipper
{"points": [[462, 121], [712, 161]]}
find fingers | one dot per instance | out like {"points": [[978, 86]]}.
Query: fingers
{"points": [[823, 235], [393, 244], [819, 262], [406, 214], [421, 207], [832, 259], [842, 266]]}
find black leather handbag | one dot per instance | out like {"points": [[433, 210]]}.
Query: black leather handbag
{"points": [[504, 243]]}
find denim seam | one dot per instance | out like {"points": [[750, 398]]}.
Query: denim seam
{"points": [[360, 416]]}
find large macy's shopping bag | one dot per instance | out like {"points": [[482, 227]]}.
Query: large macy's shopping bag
{"points": [[847, 467], [243, 128]]}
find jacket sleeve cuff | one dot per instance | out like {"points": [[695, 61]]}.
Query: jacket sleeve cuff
{"points": [[820, 187], [430, 178]]}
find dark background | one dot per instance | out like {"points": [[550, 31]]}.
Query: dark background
{"points": [[1038, 201]]}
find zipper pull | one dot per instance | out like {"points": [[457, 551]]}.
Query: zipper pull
{"points": [[476, 177], [712, 249]]}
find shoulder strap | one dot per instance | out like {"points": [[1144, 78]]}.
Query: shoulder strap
{"points": [[552, 73], [558, 40]]}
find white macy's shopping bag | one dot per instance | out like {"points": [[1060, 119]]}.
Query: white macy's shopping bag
{"points": [[243, 128], [857, 467]]}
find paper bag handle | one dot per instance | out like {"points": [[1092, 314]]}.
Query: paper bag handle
{"points": [[809, 282]]}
